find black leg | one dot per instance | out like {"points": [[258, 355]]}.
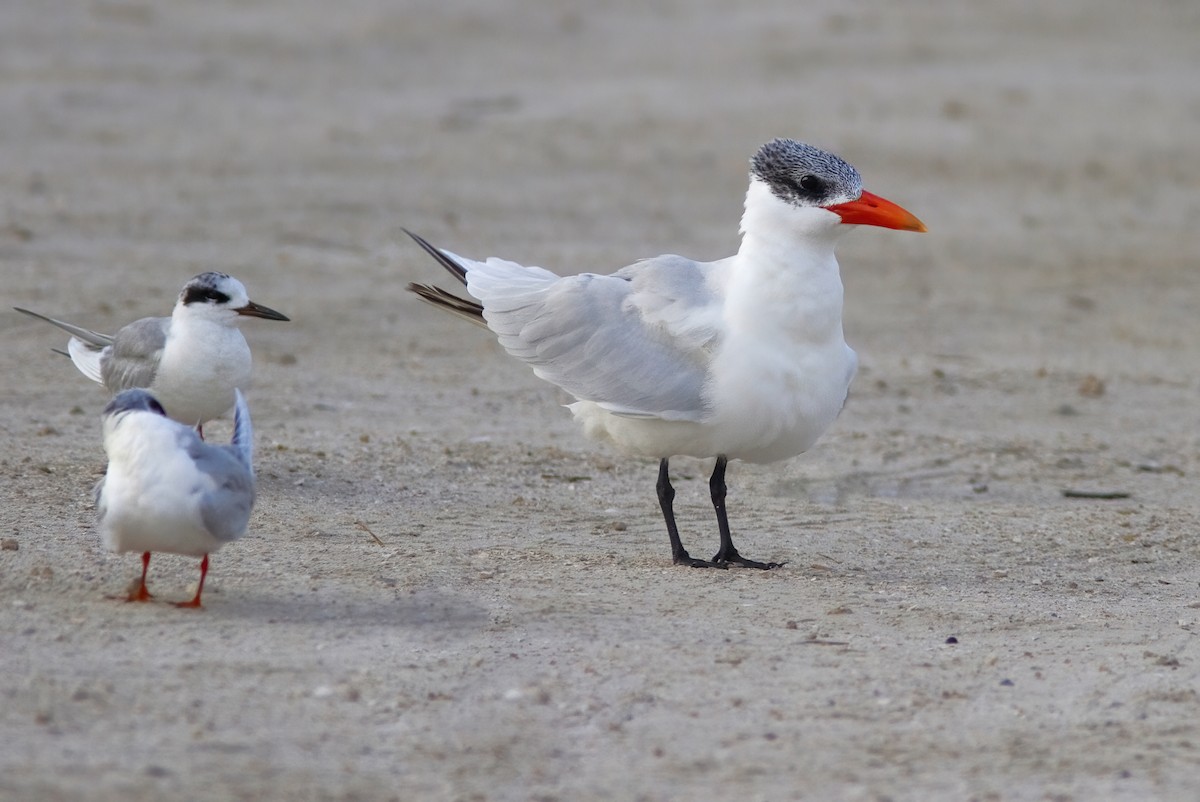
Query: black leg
{"points": [[666, 498], [728, 554]]}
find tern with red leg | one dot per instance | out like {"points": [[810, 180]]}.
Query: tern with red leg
{"points": [[166, 490]]}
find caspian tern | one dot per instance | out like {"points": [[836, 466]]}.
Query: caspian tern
{"points": [[742, 358]]}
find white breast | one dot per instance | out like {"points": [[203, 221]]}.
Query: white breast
{"points": [[152, 491], [201, 365]]}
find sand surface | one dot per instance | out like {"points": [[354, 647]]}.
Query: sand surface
{"points": [[519, 633]]}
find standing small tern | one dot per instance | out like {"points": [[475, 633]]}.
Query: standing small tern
{"points": [[742, 358], [191, 361], [166, 489]]}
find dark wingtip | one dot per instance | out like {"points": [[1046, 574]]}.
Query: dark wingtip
{"points": [[452, 267], [448, 302], [29, 312]]}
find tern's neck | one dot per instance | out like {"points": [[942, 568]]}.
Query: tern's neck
{"points": [[785, 275], [184, 318], [135, 435]]}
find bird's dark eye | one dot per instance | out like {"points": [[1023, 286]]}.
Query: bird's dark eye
{"points": [[156, 407], [807, 187], [812, 184]]}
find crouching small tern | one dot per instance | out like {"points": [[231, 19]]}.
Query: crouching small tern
{"points": [[742, 358], [166, 489], [191, 361]]}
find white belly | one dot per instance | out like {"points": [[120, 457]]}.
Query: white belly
{"points": [[158, 511], [197, 376], [762, 411]]}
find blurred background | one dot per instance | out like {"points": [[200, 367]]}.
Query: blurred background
{"points": [[1051, 149]]}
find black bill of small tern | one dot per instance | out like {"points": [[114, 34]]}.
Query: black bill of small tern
{"points": [[166, 490], [191, 361], [742, 358]]}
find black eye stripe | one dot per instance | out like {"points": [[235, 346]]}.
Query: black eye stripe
{"points": [[196, 295]]}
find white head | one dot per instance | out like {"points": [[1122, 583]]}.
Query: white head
{"points": [[815, 192], [220, 297]]}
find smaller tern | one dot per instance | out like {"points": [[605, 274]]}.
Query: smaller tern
{"points": [[191, 361], [167, 490], [742, 358]]}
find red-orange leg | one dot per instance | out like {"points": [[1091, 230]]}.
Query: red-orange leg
{"points": [[200, 588], [141, 594]]}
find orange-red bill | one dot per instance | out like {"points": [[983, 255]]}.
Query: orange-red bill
{"points": [[872, 210]]}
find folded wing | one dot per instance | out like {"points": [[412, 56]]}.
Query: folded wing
{"points": [[226, 489], [132, 359], [637, 342]]}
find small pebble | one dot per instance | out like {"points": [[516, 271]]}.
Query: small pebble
{"points": [[1091, 387]]}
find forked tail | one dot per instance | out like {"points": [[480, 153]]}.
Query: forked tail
{"points": [[436, 296]]}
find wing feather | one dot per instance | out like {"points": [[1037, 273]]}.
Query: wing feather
{"points": [[637, 342], [88, 358], [242, 445], [133, 358], [227, 495], [87, 335], [85, 346]]}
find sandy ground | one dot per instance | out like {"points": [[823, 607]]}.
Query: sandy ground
{"points": [[520, 632]]}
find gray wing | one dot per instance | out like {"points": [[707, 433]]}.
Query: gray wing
{"points": [[226, 504], [133, 358], [637, 343]]}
